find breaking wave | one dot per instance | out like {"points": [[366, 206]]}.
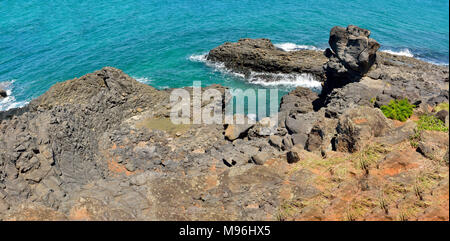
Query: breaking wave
{"points": [[143, 80], [294, 47], [264, 79], [10, 101], [287, 80], [402, 52], [198, 57]]}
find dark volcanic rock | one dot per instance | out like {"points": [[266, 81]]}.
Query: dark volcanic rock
{"points": [[300, 100], [260, 55], [351, 56], [3, 93], [441, 115], [292, 157], [349, 96], [58, 135], [399, 134], [353, 47], [321, 135], [421, 83]]}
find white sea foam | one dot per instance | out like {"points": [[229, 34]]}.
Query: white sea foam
{"points": [[294, 47], [264, 79], [198, 57], [402, 52], [143, 80], [10, 101], [217, 66], [406, 52], [288, 80], [252, 117]]}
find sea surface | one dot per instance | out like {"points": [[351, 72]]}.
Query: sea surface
{"points": [[162, 43]]}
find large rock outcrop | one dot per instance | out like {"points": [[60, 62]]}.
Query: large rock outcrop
{"points": [[51, 147], [353, 47], [261, 56], [352, 54]]}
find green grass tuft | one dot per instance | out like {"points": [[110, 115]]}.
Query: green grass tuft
{"points": [[442, 106], [431, 123], [398, 109]]}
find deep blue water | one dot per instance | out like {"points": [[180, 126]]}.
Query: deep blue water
{"points": [[44, 42]]}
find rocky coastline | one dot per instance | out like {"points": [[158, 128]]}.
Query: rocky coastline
{"points": [[102, 146]]}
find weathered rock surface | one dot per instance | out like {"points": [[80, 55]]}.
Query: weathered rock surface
{"points": [[434, 145], [261, 158], [399, 134], [234, 131], [351, 56], [300, 100], [442, 115], [321, 136], [359, 125]]}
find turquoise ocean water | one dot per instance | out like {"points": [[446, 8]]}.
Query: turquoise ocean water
{"points": [[162, 42]]}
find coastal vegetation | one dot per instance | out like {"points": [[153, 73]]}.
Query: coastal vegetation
{"points": [[398, 109], [431, 123]]}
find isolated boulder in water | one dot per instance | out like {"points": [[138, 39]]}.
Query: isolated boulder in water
{"points": [[3, 94]]}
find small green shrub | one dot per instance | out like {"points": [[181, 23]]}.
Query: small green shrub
{"points": [[398, 109], [431, 123]]}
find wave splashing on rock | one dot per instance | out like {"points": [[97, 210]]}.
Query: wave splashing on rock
{"points": [[9, 102], [288, 47], [266, 79], [289, 80], [402, 52]]}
